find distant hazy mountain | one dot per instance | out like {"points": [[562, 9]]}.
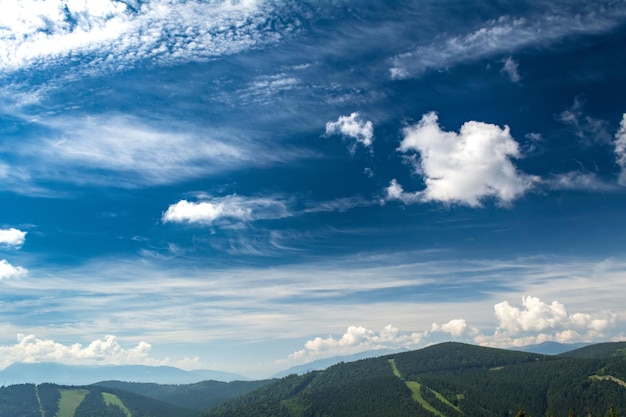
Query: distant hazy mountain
{"points": [[551, 348], [321, 364], [56, 373]]}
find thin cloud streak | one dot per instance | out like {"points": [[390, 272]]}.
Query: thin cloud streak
{"points": [[129, 152], [504, 36]]}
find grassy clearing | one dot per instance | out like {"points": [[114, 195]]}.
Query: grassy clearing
{"points": [[416, 394], [70, 400], [112, 399], [394, 368]]}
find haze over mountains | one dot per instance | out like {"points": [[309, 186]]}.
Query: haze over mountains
{"points": [[49, 372], [38, 373]]}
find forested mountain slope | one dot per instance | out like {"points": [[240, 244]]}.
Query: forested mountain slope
{"points": [[201, 396], [45, 400], [446, 380]]}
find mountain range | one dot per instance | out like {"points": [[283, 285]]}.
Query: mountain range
{"points": [[445, 380], [49, 372]]}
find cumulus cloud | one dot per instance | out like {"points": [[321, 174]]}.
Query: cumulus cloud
{"points": [[110, 32], [455, 328], [30, 349], [511, 69], [504, 35], [12, 237], [536, 322], [464, 167], [620, 150], [9, 271], [229, 208], [356, 339], [354, 127]]}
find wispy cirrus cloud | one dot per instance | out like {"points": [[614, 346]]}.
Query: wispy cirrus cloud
{"points": [[127, 151], [588, 129], [620, 151], [506, 35], [510, 68], [110, 33], [464, 167]]}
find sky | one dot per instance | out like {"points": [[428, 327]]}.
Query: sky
{"points": [[249, 185]]}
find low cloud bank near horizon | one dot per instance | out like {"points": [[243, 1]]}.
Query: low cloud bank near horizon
{"points": [[533, 323]]}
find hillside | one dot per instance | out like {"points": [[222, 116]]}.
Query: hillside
{"points": [[29, 400], [446, 380], [599, 351], [200, 396]]}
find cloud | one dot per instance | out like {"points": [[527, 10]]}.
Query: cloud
{"points": [[225, 208], [12, 237], [576, 180], [505, 35], [464, 167], [126, 151], [537, 322], [620, 150], [455, 328], [511, 69], [9, 271], [354, 127], [31, 349], [110, 33], [586, 128], [356, 339]]}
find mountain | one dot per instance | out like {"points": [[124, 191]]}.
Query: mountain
{"points": [[447, 380], [200, 396], [320, 364], [551, 348], [37, 373], [29, 400], [600, 351]]}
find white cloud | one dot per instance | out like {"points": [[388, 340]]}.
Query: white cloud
{"points": [[228, 208], [463, 167], [139, 151], [504, 35], [455, 328], [38, 33], [354, 127], [356, 339], [31, 349], [588, 129], [576, 180], [12, 237], [620, 150], [511, 69], [538, 322], [9, 271]]}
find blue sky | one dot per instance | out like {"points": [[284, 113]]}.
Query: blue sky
{"points": [[250, 185]]}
